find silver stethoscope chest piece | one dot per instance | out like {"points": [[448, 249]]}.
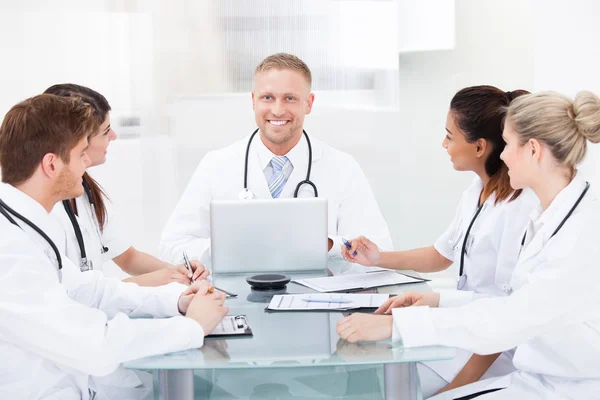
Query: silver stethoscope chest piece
{"points": [[246, 194]]}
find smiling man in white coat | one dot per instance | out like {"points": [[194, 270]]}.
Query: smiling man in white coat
{"points": [[60, 327], [278, 160]]}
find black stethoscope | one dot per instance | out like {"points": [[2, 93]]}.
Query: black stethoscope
{"points": [[587, 186], [462, 280], [84, 263], [6, 211], [246, 194]]}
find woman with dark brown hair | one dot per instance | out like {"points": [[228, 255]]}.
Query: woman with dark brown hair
{"points": [[483, 239], [93, 236]]}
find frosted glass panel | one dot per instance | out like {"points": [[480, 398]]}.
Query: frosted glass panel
{"points": [[350, 46]]}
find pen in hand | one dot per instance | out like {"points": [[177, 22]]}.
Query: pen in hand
{"points": [[349, 247], [186, 261]]}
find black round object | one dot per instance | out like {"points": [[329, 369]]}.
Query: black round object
{"points": [[268, 281]]}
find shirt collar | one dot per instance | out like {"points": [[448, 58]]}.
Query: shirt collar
{"points": [[295, 155]]}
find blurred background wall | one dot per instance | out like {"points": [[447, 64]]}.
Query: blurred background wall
{"points": [[178, 75]]}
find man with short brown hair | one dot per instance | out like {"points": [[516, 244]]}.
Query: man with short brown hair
{"points": [[59, 326]]}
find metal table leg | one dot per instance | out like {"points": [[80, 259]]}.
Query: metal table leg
{"points": [[176, 384], [401, 381]]}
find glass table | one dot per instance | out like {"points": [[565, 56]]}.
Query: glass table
{"points": [[290, 341]]}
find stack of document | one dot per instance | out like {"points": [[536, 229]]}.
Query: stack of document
{"points": [[317, 301], [357, 281]]}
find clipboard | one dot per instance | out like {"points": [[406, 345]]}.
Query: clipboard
{"points": [[232, 325]]}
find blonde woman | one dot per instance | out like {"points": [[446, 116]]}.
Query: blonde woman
{"points": [[553, 313]]}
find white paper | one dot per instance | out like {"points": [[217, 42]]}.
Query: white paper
{"points": [[230, 326], [356, 281], [298, 301]]}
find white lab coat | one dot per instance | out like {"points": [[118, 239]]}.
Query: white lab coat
{"points": [[120, 383], [552, 315], [352, 208], [493, 249], [54, 335], [111, 233]]}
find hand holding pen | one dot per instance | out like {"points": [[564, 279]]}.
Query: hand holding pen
{"points": [[196, 271], [361, 251], [204, 275]]}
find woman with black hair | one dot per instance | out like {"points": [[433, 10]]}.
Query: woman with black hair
{"points": [[483, 239], [93, 235]]}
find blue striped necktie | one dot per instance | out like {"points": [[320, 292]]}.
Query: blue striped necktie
{"points": [[278, 179]]}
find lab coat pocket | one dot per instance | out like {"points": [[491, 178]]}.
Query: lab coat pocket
{"points": [[469, 244], [457, 237]]}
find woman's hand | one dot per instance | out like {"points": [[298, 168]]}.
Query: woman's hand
{"points": [[409, 299], [199, 270], [367, 253], [359, 326]]}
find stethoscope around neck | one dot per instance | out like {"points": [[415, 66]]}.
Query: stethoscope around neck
{"points": [[462, 280], [85, 264], [247, 194], [587, 186], [7, 211]]}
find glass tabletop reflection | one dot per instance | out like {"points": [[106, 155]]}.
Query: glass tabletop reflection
{"points": [[290, 339]]}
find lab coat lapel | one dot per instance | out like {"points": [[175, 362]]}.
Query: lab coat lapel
{"points": [[257, 182], [559, 212], [298, 174], [469, 208], [535, 246], [34, 212], [300, 163]]}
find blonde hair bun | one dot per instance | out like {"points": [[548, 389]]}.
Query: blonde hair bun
{"points": [[586, 114]]}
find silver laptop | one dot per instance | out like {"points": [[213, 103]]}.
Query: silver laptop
{"points": [[268, 235]]}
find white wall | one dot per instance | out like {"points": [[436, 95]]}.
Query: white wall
{"points": [[531, 44], [567, 57], [400, 151], [489, 50]]}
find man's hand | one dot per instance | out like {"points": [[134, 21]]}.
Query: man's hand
{"points": [[409, 299], [359, 326], [204, 305]]}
